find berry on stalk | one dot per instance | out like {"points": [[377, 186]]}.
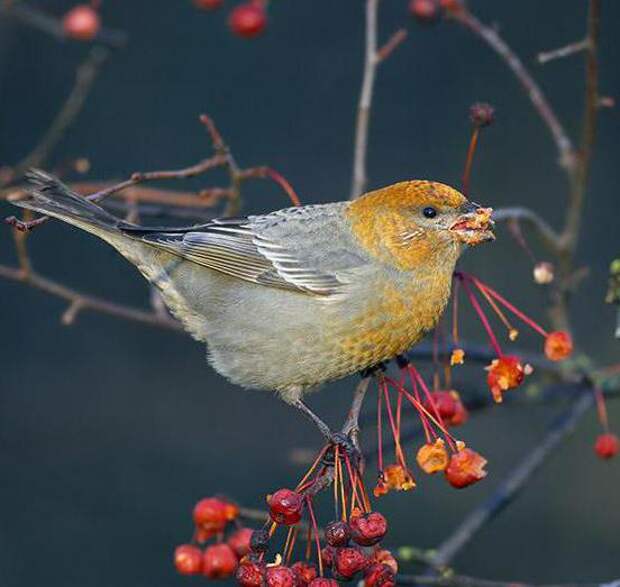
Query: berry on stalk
{"points": [[240, 541], [466, 467], [188, 559], [219, 561], [368, 529], [81, 23], [211, 514], [248, 20], [280, 576], [285, 507], [378, 575], [305, 573], [607, 445], [337, 533], [349, 560], [250, 574]]}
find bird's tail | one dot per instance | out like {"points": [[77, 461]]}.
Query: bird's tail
{"points": [[49, 196]]}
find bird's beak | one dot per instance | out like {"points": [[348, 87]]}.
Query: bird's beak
{"points": [[474, 226]]}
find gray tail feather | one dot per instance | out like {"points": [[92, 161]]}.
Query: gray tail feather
{"points": [[48, 195]]}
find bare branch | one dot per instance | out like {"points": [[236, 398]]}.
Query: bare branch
{"points": [[515, 482], [566, 51], [548, 235]]}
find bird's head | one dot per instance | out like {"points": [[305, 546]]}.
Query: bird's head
{"points": [[411, 221]]}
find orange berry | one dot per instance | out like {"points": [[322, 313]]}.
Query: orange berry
{"points": [[433, 457], [466, 467], [188, 559], [81, 23], [505, 373], [607, 445], [248, 20], [394, 477], [558, 345]]}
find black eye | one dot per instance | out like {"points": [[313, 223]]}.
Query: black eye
{"points": [[429, 212]]}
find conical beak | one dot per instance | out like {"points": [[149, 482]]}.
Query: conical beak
{"points": [[474, 226]]}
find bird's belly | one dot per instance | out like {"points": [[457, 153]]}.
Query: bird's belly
{"points": [[274, 339]]}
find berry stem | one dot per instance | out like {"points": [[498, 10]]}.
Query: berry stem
{"points": [[483, 319]]}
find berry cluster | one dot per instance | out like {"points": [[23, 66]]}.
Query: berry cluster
{"points": [[246, 20], [212, 517]]}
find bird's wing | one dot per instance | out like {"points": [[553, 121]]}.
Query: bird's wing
{"points": [[306, 249]]}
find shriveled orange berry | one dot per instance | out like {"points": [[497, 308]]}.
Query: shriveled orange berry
{"points": [[607, 445], [394, 477], [188, 559], [457, 357], [558, 345], [466, 467], [433, 457], [505, 373]]}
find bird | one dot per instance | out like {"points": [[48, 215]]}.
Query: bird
{"points": [[298, 297]]}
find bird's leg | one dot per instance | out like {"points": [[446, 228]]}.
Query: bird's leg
{"points": [[324, 428]]}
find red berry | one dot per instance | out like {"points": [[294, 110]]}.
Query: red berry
{"points": [[448, 405], [250, 574], [327, 556], [248, 20], [607, 446], [240, 540], [323, 582], [466, 467], [368, 529], [208, 4], [337, 533], [349, 560], [280, 577], [285, 507], [212, 514], [219, 561], [305, 573], [188, 559], [81, 23], [385, 557], [379, 575], [425, 11]]}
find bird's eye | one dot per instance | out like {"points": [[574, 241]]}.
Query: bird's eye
{"points": [[429, 212]]}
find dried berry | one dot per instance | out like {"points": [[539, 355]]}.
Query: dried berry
{"points": [[349, 561], [337, 533], [188, 559], [607, 445], [305, 573], [504, 373], [259, 541], [433, 457], [285, 507], [81, 23], [240, 540], [250, 574], [449, 406], [466, 467], [328, 555], [378, 575], [219, 561], [368, 529], [248, 20], [323, 582], [481, 114], [280, 577], [558, 345]]}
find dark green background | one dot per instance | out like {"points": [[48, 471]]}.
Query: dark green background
{"points": [[109, 431]]}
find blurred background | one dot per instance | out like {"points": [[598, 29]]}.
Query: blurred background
{"points": [[110, 430]]}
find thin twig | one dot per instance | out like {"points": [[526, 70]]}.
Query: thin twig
{"points": [[373, 57], [79, 301], [566, 51], [550, 238], [515, 482], [491, 37], [85, 76]]}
